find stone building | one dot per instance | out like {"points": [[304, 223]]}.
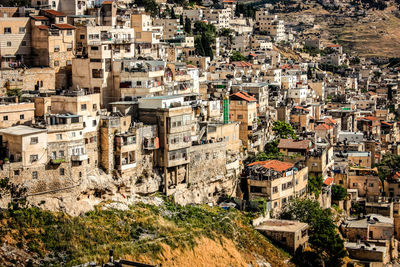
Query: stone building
{"points": [[290, 234]]}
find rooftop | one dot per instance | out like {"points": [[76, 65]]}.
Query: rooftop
{"points": [[294, 144], [275, 165], [375, 219], [21, 130], [281, 226]]}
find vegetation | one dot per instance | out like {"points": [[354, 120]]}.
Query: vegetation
{"points": [[389, 165], [324, 238], [283, 130], [315, 183], [188, 26], [141, 231], [237, 56], [150, 6], [338, 192], [205, 37]]}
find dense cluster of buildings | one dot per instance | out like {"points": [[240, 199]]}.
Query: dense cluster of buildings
{"points": [[100, 100]]}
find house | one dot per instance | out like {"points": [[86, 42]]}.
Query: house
{"points": [[276, 181], [290, 234], [292, 147]]}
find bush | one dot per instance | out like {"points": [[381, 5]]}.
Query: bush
{"points": [[338, 192]]}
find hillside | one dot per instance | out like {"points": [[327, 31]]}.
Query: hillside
{"points": [[363, 31], [165, 234]]}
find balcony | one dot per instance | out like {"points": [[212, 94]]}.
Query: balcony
{"points": [[57, 161], [151, 143], [123, 40], [79, 157], [127, 166]]}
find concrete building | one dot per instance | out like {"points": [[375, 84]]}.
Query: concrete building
{"points": [[173, 118], [14, 113], [276, 181], [290, 234]]}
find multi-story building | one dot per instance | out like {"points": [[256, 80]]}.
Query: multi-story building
{"points": [[173, 118], [171, 28], [243, 108], [53, 44], [219, 17], [15, 39], [13, 113], [276, 181]]}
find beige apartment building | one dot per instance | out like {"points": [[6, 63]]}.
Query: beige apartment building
{"points": [[171, 28], [15, 42], [276, 181], [53, 44], [26, 151], [136, 78], [173, 118], [243, 108], [14, 113]]}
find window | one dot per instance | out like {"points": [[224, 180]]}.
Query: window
{"points": [[7, 30], [371, 185], [94, 106], [275, 189], [9, 44], [83, 107], [5, 118], [69, 47], [61, 19], [94, 48], [97, 73], [69, 32], [82, 36], [62, 171], [69, 62], [53, 4], [354, 184], [23, 43], [56, 48], [240, 116], [34, 140], [34, 175], [73, 134], [54, 155], [59, 136], [16, 172], [33, 158], [56, 63], [21, 29], [22, 116], [61, 153]]}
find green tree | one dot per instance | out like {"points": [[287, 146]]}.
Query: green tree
{"points": [[173, 16], [283, 130], [338, 192], [150, 6], [309, 74], [181, 22], [188, 26], [324, 237], [237, 56], [315, 183]]}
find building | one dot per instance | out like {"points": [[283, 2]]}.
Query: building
{"points": [[276, 181], [243, 108], [290, 234]]}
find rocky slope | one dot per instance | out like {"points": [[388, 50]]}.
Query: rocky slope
{"points": [[155, 233]]}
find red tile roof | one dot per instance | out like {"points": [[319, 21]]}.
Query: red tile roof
{"points": [[294, 144], [190, 66], [330, 121], [241, 64], [244, 96], [40, 18], [275, 165], [54, 13], [64, 26], [333, 45], [108, 2], [328, 181], [369, 118], [252, 54], [323, 127], [387, 123], [43, 27], [286, 66]]}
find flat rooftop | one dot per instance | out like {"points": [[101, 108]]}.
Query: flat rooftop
{"points": [[21, 130], [281, 226]]}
